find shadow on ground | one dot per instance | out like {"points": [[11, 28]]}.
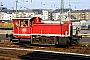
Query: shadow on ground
{"points": [[52, 56]]}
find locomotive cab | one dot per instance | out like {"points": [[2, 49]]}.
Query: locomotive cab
{"points": [[23, 28], [20, 28]]}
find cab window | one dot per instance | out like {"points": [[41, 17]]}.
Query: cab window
{"points": [[16, 24], [24, 23]]}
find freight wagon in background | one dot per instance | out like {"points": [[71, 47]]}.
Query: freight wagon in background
{"points": [[36, 32], [6, 25]]}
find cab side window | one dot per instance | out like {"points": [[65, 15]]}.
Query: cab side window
{"points": [[24, 23], [16, 24]]}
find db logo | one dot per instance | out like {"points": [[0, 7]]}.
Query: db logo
{"points": [[23, 30]]}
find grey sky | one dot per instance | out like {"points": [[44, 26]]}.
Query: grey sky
{"points": [[53, 4]]}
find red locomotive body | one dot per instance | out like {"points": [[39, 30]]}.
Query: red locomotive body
{"points": [[51, 29], [40, 33]]}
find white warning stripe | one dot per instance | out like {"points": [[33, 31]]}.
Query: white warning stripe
{"points": [[44, 35]]}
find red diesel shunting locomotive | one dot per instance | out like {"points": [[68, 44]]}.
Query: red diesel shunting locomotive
{"points": [[36, 32]]}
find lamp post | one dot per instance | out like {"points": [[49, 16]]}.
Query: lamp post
{"points": [[61, 10], [69, 6], [1, 5], [1, 16]]}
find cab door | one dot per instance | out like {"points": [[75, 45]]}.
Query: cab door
{"points": [[16, 28]]}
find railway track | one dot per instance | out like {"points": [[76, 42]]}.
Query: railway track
{"points": [[83, 48], [26, 54], [9, 54], [35, 52], [71, 49]]}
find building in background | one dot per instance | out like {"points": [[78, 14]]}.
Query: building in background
{"points": [[46, 14], [1, 15], [3, 9], [5, 16], [55, 16], [80, 14], [28, 13], [38, 15], [19, 14]]}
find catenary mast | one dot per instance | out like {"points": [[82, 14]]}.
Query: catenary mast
{"points": [[16, 8], [61, 10]]}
